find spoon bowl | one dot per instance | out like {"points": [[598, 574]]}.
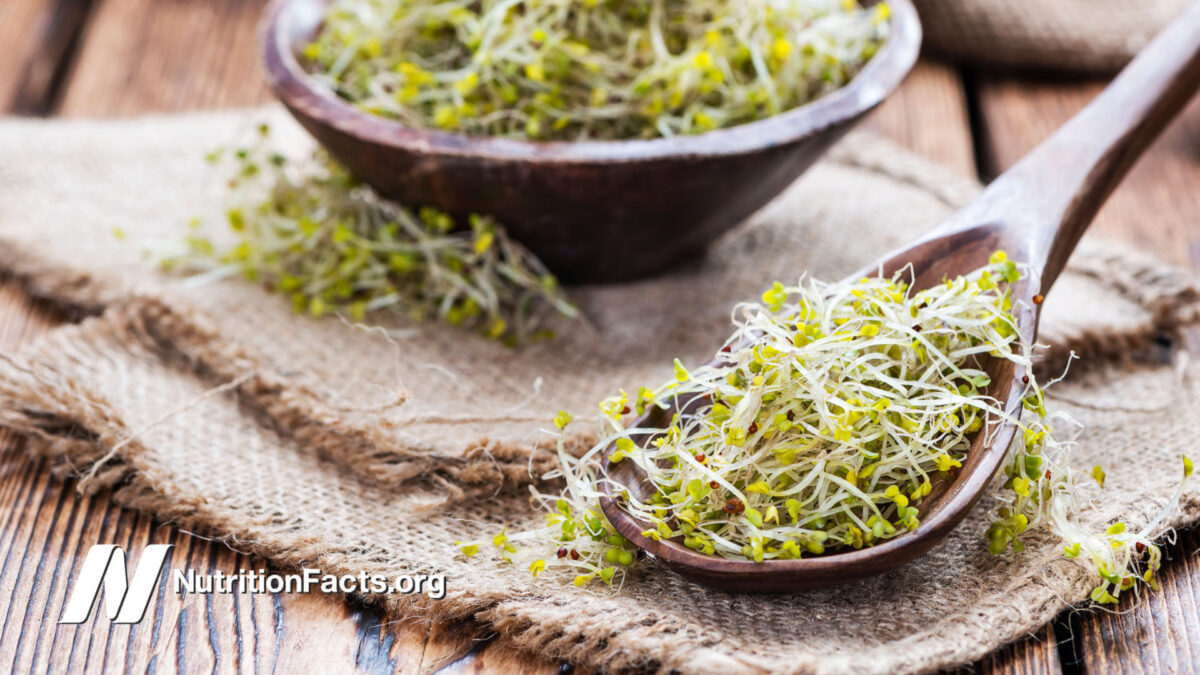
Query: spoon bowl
{"points": [[592, 211], [1036, 212], [947, 504]]}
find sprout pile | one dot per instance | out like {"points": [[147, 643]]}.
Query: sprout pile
{"points": [[830, 414], [598, 69], [310, 230]]}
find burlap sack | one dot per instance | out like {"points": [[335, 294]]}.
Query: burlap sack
{"points": [[313, 442], [1084, 35]]}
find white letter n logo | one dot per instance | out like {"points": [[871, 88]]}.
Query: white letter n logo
{"points": [[124, 601]]}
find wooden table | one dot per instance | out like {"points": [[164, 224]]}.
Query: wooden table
{"points": [[122, 57]]}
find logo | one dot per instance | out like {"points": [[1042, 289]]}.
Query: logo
{"points": [[125, 600]]}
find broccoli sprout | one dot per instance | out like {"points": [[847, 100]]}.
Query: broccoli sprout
{"points": [[600, 69], [311, 231]]}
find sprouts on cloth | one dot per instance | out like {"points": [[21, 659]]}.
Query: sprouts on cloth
{"points": [[311, 231]]}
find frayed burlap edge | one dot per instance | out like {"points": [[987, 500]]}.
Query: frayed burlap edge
{"points": [[189, 338]]}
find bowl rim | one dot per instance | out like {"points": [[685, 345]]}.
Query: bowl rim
{"points": [[306, 97]]}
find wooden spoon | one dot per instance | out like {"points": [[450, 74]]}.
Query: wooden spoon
{"points": [[1036, 211]]}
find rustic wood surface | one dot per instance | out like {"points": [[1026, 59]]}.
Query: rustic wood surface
{"points": [[122, 57]]}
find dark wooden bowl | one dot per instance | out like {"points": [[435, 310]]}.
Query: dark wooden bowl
{"points": [[592, 211]]}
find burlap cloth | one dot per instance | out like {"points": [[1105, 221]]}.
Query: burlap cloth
{"points": [[313, 442], [1085, 35]]}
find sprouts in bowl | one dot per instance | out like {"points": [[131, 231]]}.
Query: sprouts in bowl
{"points": [[592, 210]]}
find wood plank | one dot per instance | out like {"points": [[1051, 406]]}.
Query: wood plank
{"points": [[1035, 655], [1156, 210], [500, 658], [38, 38], [44, 544], [141, 56], [21, 26], [928, 115]]}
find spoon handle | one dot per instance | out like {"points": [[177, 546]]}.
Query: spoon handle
{"points": [[1048, 199]]}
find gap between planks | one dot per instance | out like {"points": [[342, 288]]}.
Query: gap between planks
{"points": [[40, 37]]}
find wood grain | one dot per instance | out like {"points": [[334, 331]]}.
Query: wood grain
{"points": [[50, 529], [1035, 655], [1163, 630], [140, 56], [928, 115], [37, 36], [1156, 210]]}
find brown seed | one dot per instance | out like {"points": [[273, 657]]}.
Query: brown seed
{"points": [[562, 552], [726, 349], [1039, 299], [753, 428], [700, 457], [625, 410], [1141, 548], [791, 415], [574, 554], [713, 484], [1024, 379], [917, 328], [734, 505]]}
